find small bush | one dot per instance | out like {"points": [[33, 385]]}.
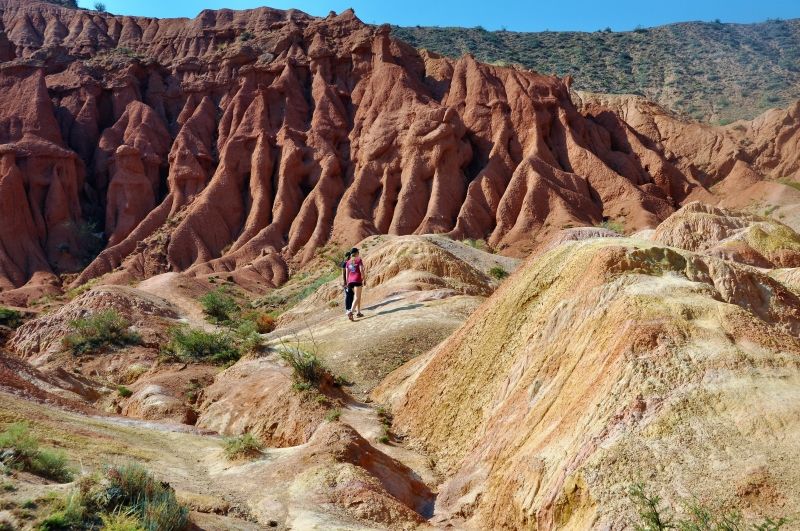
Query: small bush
{"points": [[333, 415], [121, 520], [306, 366], [53, 465], [194, 344], [242, 447], [10, 318], [163, 513], [22, 452], [123, 391], [99, 6], [70, 514], [498, 273], [103, 329], [247, 337], [612, 225], [656, 516], [218, 306], [476, 244], [246, 36], [265, 323]]}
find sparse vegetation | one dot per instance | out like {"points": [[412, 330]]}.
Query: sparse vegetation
{"points": [[80, 290], [219, 306], [100, 330], [306, 366], [726, 71], [264, 322], [612, 225], [69, 513], [333, 415], [247, 337], [194, 344], [498, 273], [10, 318], [296, 290], [655, 515], [21, 451], [243, 447], [123, 391], [123, 498], [477, 244], [790, 182], [121, 520], [385, 417], [246, 36], [100, 7]]}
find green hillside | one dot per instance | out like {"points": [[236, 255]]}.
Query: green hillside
{"points": [[712, 72]]}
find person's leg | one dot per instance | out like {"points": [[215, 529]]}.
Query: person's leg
{"points": [[356, 307], [348, 298]]}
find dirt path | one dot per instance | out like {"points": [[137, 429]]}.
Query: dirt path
{"points": [[182, 292], [222, 494]]}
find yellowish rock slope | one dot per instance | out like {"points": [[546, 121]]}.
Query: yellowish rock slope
{"points": [[606, 362]]}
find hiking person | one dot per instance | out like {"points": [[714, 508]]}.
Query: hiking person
{"points": [[348, 291], [356, 278]]}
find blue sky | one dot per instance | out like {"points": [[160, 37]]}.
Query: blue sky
{"points": [[514, 15]]}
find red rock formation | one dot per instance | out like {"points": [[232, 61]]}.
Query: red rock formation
{"points": [[266, 134]]}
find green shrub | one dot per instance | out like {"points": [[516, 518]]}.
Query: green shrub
{"points": [[123, 391], [53, 465], [121, 520], [247, 337], [125, 498], [99, 6], [24, 454], [103, 329], [242, 447], [194, 344], [218, 306], [306, 367], [612, 225], [476, 244], [246, 36], [132, 487], [333, 415], [10, 318], [498, 273], [70, 513], [790, 182], [163, 513], [656, 516]]}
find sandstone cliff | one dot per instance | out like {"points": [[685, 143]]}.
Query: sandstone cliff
{"points": [[242, 141]]}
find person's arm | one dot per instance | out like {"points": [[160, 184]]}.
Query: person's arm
{"points": [[344, 274], [363, 273]]}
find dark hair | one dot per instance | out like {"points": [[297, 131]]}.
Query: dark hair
{"points": [[353, 251], [347, 254]]}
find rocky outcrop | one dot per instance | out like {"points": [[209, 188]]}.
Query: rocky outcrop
{"points": [[256, 396], [594, 365], [735, 236], [41, 338], [265, 135]]}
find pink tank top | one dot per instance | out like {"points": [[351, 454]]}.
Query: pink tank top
{"points": [[354, 270]]}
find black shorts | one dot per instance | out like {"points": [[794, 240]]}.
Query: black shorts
{"points": [[354, 285]]}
